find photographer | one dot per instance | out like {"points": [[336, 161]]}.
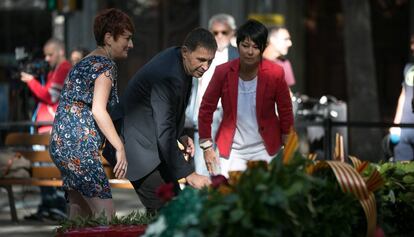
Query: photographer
{"points": [[47, 94]]}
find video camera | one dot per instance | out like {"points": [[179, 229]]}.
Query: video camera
{"points": [[29, 63]]}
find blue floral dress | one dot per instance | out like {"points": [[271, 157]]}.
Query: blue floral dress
{"points": [[76, 138]]}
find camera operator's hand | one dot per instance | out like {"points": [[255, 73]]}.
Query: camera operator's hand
{"points": [[26, 77]]}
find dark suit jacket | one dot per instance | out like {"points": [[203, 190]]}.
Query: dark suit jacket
{"points": [[233, 53], [150, 117]]}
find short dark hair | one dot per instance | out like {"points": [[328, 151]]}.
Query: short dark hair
{"points": [[56, 42], [200, 37], [274, 29], [111, 20], [255, 31], [81, 50]]}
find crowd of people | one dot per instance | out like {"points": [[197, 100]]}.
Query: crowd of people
{"points": [[140, 130], [235, 102]]}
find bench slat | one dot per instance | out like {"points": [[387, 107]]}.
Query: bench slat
{"points": [[37, 156], [27, 139], [46, 172]]}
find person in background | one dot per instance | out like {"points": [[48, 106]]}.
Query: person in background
{"points": [[82, 122], [278, 46], [77, 54], [222, 26], [151, 118], [404, 137], [249, 88], [47, 94]]}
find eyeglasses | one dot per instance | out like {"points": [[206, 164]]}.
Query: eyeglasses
{"points": [[225, 33]]}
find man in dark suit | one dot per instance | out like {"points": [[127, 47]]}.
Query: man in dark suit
{"points": [[150, 117], [223, 27]]}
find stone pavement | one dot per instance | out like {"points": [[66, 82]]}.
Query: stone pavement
{"points": [[27, 199]]}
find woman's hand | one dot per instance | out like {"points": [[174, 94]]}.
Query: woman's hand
{"points": [[211, 160], [120, 168]]}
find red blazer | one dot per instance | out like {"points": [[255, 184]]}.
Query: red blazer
{"points": [[271, 89]]}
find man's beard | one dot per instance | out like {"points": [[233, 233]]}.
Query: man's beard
{"points": [[221, 47]]}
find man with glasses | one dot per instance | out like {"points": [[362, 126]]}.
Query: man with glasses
{"points": [[223, 27]]}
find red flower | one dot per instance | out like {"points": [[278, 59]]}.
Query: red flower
{"points": [[379, 232], [218, 180], [165, 192]]}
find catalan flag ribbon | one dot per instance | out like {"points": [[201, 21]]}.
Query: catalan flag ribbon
{"points": [[290, 147], [351, 181]]}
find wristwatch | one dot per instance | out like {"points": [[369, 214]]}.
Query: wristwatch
{"points": [[206, 144]]}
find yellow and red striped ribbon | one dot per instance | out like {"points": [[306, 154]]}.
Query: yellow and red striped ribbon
{"points": [[351, 181], [374, 181], [290, 147]]}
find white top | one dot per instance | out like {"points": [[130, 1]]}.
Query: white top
{"points": [[200, 86], [220, 58], [247, 142]]}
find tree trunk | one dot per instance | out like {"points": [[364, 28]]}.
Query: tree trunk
{"points": [[361, 80]]}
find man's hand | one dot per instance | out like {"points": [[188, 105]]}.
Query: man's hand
{"points": [[198, 181], [188, 145], [26, 77], [212, 161]]}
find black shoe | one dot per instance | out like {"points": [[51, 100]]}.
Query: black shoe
{"points": [[56, 215], [35, 217]]}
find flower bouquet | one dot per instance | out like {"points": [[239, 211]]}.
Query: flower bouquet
{"points": [[291, 196], [396, 199]]}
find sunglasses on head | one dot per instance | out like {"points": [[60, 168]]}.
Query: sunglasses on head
{"points": [[221, 32]]}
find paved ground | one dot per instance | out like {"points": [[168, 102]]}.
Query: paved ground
{"points": [[27, 199]]}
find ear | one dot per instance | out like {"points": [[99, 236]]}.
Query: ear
{"points": [[108, 39], [62, 52], [184, 51], [273, 40]]}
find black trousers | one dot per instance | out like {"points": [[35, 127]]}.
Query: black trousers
{"points": [[147, 186]]}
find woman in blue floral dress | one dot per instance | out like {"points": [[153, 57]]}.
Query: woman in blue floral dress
{"points": [[82, 121]]}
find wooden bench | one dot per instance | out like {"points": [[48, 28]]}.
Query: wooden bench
{"points": [[47, 174]]}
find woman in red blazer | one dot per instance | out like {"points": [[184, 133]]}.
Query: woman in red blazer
{"points": [[257, 108]]}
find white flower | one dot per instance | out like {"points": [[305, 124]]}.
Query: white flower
{"points": [[73, 109], [156, 228], [71, 166]]}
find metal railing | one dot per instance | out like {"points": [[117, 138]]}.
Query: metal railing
{"points": [[328, 124]]}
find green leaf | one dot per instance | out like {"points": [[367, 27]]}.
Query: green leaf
{"points": [[409, 179]]}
